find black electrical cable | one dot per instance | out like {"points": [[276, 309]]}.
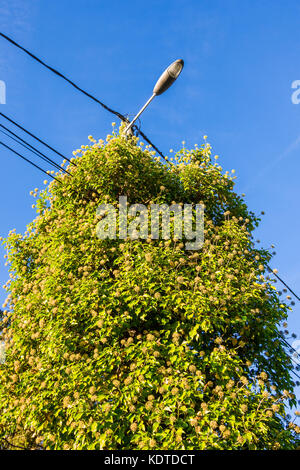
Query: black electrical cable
{"points": [[284, 283], [32, 149], [62, 76], [29, 161], [35, 137], [288, 344], [292, 370], [285, 343], [77, 87]]}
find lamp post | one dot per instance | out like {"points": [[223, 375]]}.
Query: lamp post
{"points": [[166, 79]]}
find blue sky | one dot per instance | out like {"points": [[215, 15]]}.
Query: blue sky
{"points": [[240, 61]]}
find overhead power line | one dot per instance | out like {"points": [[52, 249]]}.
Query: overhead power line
{"points": [[288, 344], [35, 137], [28, 161], [295, 373], [285, 284], [81, 90], [52, 69], [31, 148]]}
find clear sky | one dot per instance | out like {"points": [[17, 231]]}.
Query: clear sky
{"points": [[241, 58]]}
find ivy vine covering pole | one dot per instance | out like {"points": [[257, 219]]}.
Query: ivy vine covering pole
{"points": [[142, 344]]}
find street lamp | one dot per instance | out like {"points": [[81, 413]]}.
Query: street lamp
{"points": [[166, 79]]}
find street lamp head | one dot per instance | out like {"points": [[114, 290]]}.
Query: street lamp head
{"points": [[163, 83], [168, 77]]}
